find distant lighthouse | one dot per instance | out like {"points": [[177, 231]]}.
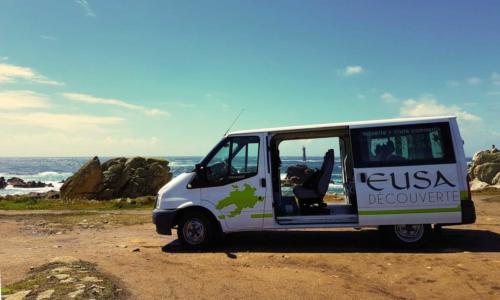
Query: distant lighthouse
{"points": [[304, 158]]}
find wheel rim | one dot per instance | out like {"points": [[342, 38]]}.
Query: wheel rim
{"points": [[409, 233], [194, 231]]}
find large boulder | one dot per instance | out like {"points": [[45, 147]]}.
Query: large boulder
{"points": [[496, 179], [124, 178], [86, 183], [481, 158], [297, 174], [476, 185], [485, 168], [486, 172], [485, 156], [3, 183]]}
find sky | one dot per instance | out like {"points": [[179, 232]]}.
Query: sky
{"points": [[165, 78]]}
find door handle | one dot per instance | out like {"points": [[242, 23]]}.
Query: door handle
{"points": [[362, 177], [263, 182]]}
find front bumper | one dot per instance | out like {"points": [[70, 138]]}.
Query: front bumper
{"points": [[164, 219]]}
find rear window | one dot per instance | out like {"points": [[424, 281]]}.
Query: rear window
{"points": [[402, 145]]}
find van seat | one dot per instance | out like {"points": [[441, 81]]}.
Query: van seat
{"points": [[316, 186]]}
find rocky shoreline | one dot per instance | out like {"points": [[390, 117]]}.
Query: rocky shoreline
{"points": [[484, 170], [19, 183], [117, 178]]}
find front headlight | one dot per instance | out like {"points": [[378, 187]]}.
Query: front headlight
{"points": [[157, 202]]}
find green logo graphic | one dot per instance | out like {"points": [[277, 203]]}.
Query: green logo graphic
{"points": [[245, 198]]}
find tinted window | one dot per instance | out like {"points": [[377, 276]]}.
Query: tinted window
{"points": [[402, 145]]}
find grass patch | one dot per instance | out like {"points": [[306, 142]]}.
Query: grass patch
{"points": [[31, 203], [97, 220], [80, 276]]}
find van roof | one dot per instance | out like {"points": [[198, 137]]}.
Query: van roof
{"points": [[346, 125]]}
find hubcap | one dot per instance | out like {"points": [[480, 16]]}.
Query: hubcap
{"points": [[409, 233], [194, 231]]}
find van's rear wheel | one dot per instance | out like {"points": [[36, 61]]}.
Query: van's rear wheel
{"points": [[407, 235], [195, 231]]}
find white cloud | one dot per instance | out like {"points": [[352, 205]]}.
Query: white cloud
{"points": [[12, 73], [15, 100], [493, 93], [473, 80], [353, 70], [495, 78], [48, 37], [4, 58], [113, 102], [388, 98], [181, 104], [428, 106], [453, 83], [57, 143], [86, 7], [62, 122], [360, 96]]}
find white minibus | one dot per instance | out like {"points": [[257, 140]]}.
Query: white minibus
{"points": [[402, 176]]}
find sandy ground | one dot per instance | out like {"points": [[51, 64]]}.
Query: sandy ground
{"points": [[462, 263]]}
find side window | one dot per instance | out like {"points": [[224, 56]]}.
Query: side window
{"points": [[403, 145], [245, 156], [235, 159], [218, 166]]}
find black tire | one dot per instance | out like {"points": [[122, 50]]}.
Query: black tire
{"points": [[407, 236], [196, 230]]}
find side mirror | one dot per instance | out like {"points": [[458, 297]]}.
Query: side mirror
{"points": [[200, 172]]}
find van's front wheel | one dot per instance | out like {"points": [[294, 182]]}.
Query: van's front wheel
{"points": [[407, 235], [195, 231]]}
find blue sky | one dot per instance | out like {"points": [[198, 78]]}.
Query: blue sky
{"points": [[168, 77]]}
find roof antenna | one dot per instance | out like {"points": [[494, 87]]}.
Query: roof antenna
{"points": [[232, 124]]}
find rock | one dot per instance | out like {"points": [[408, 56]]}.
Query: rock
{"points": [[86, 183], [117, 178], [477, 168], [3, 183], [61, 276], [76, 293], [18, 296], [19, 183], [482, 157], [496, 179], [68, 280], [136, 250], [91, 279], [477, 185], [51, 195], [61, 270], [487, 171], [45, 295], [297, 174], [15, 181]]}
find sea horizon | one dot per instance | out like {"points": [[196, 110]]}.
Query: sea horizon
{"points": [[54, 170]]}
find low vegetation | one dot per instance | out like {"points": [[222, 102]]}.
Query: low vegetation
{"points": [[65, 278], [35, 203]]}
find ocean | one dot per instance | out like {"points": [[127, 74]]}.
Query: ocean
{"points": [[56, 169]]}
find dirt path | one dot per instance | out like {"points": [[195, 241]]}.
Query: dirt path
{"points": [[463, 263]]}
